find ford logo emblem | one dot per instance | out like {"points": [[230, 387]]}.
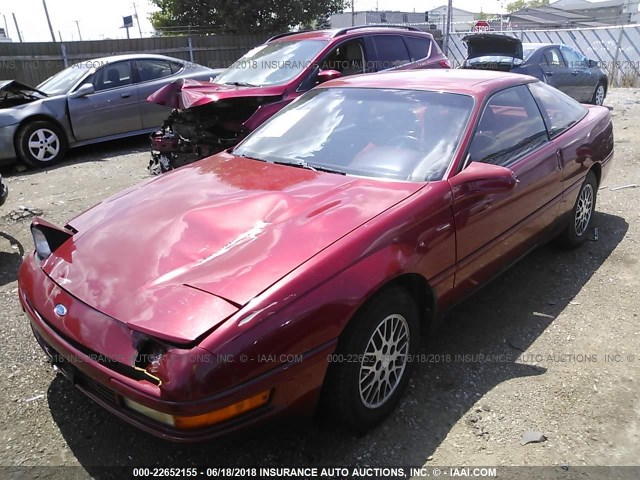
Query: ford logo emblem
{"points": [[60, 310]]}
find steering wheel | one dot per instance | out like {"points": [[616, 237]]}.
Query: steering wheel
{"points": [[411, 142]]}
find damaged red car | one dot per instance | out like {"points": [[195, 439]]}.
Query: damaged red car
{"points": [[207, 118], [303, 265]]}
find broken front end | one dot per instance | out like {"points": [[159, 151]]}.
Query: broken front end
{"points": [[207, 118]]}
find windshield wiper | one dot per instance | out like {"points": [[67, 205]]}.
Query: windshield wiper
{"points": [[309, 166], [241, 84], [250, 157]]}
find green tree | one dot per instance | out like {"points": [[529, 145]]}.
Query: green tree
{"points": [[240, 17], [520, 4]]}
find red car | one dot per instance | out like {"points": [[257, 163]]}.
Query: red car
{"points": [[309, 258], [208, 118]]}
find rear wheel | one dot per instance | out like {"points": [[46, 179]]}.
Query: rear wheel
{"points": [[598, 94], [40, 144], [373, 360], [582, 214]]}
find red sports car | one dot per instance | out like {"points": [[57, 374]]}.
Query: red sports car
{"points": [[305, 263]]}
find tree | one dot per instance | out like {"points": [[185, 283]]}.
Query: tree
{"points": [[520, 4], [247, 16]]}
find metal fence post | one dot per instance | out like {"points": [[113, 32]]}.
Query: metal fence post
{"points": [[65, 60], [190, 50]]}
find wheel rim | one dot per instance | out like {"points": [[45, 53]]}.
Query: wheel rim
{"points": [[584, 209], [44, 145], [384, 361], [599, 95]]}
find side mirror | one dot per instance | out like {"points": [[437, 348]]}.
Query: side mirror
{"points": [[326, 75], [484, 178], [592, 63], [83, 90]]}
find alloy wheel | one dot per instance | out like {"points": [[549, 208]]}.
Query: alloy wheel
{"points": [[44, 145], [584, 209], [599, 96]]}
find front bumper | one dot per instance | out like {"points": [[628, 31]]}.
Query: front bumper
{"points": [[295, 387], [7, 147]]}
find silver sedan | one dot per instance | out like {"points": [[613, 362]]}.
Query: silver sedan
{"points": [[92, 101]]}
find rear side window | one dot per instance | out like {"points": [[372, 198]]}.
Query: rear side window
{"points": [[560, 111], [553, 58], [510, 127], [419, 48], [392, 52], [153, 69]]}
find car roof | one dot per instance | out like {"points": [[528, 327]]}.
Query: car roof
{"points": [[467, 82], [330, 34], [129, 56]]}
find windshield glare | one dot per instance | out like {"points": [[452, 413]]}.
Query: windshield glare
{"points": [[63, 81], [395, 134], [272, 63]]}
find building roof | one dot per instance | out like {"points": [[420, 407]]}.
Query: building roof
{"points": [[585, 5]]}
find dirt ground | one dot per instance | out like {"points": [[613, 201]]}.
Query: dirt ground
{"points": [[553, 346]]}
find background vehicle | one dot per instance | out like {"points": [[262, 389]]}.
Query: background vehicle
{"points": [[304, 263], [92, 101], [209, 118], [4, 192], [558, 65]]}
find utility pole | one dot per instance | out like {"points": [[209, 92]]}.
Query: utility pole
{"points": [[78, 25], [6, 26], [60, 36], [447, 27], [353, 12], [15, 20], [135, 11], [46, 12]]}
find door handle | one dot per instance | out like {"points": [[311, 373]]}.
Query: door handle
{"points": [[559, 159], [575, 72], [548, 74], [125, 95]]}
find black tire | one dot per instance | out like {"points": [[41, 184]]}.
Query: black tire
{"points": [[344, 395], [579, 221], [40, 144], [599, 93]]}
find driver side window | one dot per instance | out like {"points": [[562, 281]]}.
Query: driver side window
{"points": [[511, 126], [347, 58]]}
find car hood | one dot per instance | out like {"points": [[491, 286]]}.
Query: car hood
{"points": [[187, 93], [225, 228], [483, 45], [14, 93]]}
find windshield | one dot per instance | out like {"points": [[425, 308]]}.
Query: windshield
{"points": [[272, 63], [395, 134], [527, 50], [63, 81]]}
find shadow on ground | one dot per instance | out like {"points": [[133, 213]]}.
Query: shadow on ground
{"points": [[498, 320], [10, 259]]}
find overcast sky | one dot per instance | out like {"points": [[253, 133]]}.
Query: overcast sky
{"points": [[100, 19]]}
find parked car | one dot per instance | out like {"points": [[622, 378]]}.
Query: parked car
{"points": [[304, 263], [209, 118], [4, 192], [92, 101], [558, 65]]}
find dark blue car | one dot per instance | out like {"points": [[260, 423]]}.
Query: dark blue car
{"points": [[558, 65]]}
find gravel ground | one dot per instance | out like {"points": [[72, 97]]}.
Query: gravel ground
{"points": [[553, 345]]}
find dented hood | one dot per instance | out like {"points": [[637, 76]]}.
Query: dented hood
{"points": [[185, 93], [485, 44], [11, 89], [211, 235]]}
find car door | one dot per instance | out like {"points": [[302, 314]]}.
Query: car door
{"points": [[584, 82], [151, 74], [555, 71], [112, 109], [496, 222]]}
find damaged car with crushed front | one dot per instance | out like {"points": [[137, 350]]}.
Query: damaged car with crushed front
{"points": [[301, 267]]}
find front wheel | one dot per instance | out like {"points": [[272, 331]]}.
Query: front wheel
{"points": [[580, 219], [372, 363], [40, 144], [598, 94]]}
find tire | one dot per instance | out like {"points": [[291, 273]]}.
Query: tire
{"points": [[352, 392], [40, 144], [581, 216], [599, 94]]}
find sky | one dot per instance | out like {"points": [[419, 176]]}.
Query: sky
{"points": [[100, 19]]}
